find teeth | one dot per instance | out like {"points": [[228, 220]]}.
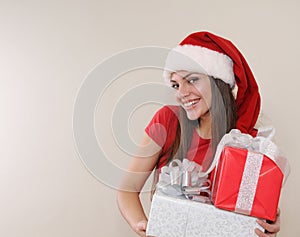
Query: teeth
{"points": [[190, 103]]}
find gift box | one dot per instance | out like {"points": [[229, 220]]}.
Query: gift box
{"points": [[178, 217], [249, 175]]}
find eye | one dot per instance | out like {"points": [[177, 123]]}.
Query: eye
{"points": [[193, 79], [175, 86]]}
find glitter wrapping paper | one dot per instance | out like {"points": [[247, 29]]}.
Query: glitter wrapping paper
{"points": [[230, 175], [179, 217]]}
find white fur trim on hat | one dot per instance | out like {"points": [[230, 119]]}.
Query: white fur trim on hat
{"points": [[199, 60]]}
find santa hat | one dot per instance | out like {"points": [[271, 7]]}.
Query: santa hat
{"points": [[204, 52]]}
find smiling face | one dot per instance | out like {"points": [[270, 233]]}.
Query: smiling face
{"points": [[193, 93]]}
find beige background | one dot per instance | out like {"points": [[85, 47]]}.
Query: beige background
{"points": [[46, 50]]}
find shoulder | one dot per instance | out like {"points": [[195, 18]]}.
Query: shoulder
{"points": [[164, 124], [167, 112]]}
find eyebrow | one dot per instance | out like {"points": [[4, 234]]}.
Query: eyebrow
{"points": [[187, 75]]}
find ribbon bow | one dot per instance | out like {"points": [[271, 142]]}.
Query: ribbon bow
{"points": [[183, 178], [262, 143]]}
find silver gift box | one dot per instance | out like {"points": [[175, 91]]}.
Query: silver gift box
{"points": [[179, 217]]}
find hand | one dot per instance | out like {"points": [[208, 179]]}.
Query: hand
{"points": [[140, 228], [271, 228]]}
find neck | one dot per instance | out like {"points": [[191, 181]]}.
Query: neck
{"points": [[204, 129]]}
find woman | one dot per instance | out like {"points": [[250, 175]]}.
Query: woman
{"points": [[204, 70]]}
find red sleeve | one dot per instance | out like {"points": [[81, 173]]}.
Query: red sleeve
{"points": [[163, 125]]}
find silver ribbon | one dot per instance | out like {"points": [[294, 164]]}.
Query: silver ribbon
{"points": [[183, 178], [257, 147], [249, 183]]}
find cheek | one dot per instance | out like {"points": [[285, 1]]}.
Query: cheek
{"points": [[207, 99], [205, 92], [177, 97]]}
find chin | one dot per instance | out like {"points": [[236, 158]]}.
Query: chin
{"points": [[192, 115]]}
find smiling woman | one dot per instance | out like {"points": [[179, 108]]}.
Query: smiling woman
{"points": [[193, 93], [204, 69]]}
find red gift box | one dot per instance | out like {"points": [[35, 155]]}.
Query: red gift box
{"points": [[231, 175]]}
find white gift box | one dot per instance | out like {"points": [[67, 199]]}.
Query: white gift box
{"points": [[179, 217]]}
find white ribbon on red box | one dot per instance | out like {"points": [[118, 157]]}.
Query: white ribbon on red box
{"points": [[257, 147]]}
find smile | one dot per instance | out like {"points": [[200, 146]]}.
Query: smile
{"points": [[190, 103]]}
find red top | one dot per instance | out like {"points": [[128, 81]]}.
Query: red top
{"points": [[162, 130]]}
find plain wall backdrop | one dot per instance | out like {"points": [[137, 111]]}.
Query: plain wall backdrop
{"points": [[47, 48]]}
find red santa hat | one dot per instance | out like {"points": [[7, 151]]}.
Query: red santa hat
{"points": [[204, 52]]}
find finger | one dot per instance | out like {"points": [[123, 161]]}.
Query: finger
{"points": [[259, 233], [278, 212], [142, 225], [141, 233], [273, 228], [140, 228], [277, 220]]}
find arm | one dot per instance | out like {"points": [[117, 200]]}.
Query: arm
{"points": [[139, 169], [272, 228]]}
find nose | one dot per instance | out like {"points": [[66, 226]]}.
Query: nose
{"points": [[184, 89]]}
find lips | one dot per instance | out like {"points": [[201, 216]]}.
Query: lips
{"points": [[190, 103]]}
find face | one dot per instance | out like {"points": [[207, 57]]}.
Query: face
{"points": [[193, 93]]}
